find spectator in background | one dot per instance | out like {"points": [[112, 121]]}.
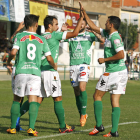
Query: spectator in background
{"points": [[131, 60], [127, 66], [5, 58], [128, 59], [135, 60], [139, 61]]}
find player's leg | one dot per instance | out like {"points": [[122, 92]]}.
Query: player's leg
{"points": [[100, 91], [83, 75], [20, 82], [78, 98], [83, 97], [117, 87], [33, 90]]}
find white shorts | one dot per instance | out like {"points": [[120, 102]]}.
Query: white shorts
{"points": [[79, 73], [114, 82], [13, 79], [50, 84], [27, 84]]}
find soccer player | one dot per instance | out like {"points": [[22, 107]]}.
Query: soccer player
{"points": [[29, 47], [80, 57], [115, 77], [51, 86]]}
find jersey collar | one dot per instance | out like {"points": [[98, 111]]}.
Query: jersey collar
{"points": [[82, 33], [29, 32], [112, 34]]}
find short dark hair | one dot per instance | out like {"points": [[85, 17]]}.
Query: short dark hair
{"points": [[115, 21], [49, 20], [84, 20], [30, 20]]}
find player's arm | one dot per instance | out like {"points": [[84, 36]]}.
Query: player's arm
{"points": [[76, 30], [11, 56], [98, 36], [51, 61], [21, 25], [118, 56], [89, 21]]}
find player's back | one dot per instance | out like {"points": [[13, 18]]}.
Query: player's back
{"points": [[29, 54]]}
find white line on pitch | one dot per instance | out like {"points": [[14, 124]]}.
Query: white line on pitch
{"points": [[48, 136]]}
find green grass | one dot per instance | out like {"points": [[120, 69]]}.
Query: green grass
{"points": [[47, 122]]}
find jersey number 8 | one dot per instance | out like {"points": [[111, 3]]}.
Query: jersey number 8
{"points": [[31, 53]]}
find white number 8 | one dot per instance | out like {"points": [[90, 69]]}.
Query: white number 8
{"points": [[31, 53]]}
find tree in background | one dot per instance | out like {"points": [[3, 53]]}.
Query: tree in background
{"points": [[129, 34]]}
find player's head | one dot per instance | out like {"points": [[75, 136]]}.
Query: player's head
{"points": [[31, 21], [112, 22], [83, 26], [51, 23]]}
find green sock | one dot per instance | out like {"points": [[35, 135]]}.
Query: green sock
{"points": [[24, 108], [32, 114], [115, 118], [38, 105], [83, 96], [15, 110], [78, 103], [59, 111], [98, 112]]}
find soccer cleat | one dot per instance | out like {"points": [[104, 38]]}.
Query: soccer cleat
{"points": [[66, 129], [116, 134], [11, 131], [32, 132], [96, 130], [18, 128], [83, 120]]}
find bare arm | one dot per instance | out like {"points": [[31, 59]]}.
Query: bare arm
{"points": [[89, 21], [76, 30], [11, 56], [118, 56], [51, 61], [21, 25]]}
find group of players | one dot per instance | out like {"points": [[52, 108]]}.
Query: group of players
{"points": [[36, 75]]}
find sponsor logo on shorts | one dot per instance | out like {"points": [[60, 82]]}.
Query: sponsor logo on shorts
{"points": [[82, 68], [71, 72], [31, 89], [72, 81], [82, 74], [102, 83], [55, 78], [54, 88]]}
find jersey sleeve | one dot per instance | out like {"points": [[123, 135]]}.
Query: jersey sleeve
{"points": [[117, 44], [46, 49], [16, 41], [103, 32], [60, 35]]}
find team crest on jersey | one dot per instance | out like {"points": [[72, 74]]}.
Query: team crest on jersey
{"points": [[31, 37], [55, 78], [79, 47]]}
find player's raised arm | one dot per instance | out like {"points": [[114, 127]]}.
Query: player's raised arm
{"points": [[21, 25], [89, 21], [76, 30]]}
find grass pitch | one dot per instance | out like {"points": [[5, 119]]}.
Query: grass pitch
{"points": [[47, 124]]}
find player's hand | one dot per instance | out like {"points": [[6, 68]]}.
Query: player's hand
{"points": [[21, 25], [81, 6], [101, 60], [9, 65], [64, 27], [55, 67]]}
